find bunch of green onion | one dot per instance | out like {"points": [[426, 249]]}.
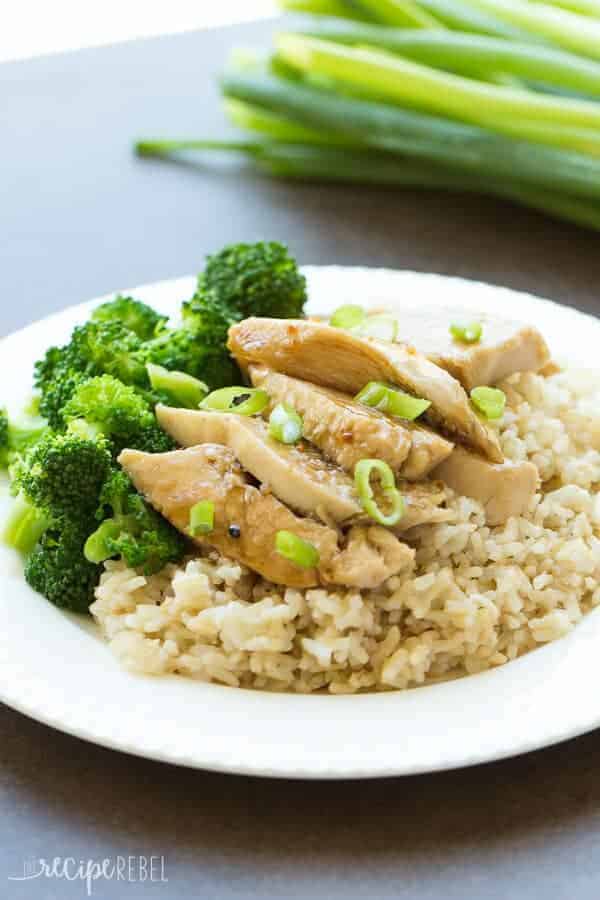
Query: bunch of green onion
{"points": [[493, 96]]}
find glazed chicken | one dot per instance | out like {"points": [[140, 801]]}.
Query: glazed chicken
{"points": [[297, 474], [504, 489], [247, 520], [504, 347], [338, 359], [346, 431]]}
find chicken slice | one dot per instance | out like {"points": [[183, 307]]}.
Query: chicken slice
{"points": [[427, 451], [505, 347], [338, 359], [297, 474], [423, 504], [504, 489], [370, 555], [174, 482], [346, 431]]}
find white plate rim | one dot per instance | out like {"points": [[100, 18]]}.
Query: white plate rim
{"points": [[293, 736]]}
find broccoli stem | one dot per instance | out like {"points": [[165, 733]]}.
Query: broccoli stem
{"points": [[24, 527], [552, 120], [96, 548], [181, 389]]}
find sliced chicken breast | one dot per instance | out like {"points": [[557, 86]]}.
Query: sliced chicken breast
{"points": [[174, 482], [346, 431], [427, 450], [423, 504], [504, 489], [505, 347], [338, 359], [297, 474]]}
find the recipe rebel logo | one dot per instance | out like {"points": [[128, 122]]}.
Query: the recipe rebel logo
{"points": [[128, 869]]}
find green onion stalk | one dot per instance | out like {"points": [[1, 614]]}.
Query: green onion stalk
{"points": [[567, 29], [473, 55], [310, 163], [520, 113], [584, 7], [304, 114]]}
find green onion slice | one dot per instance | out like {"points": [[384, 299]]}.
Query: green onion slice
{"points": [[298, 551], [392, 401], [202, 517], [348, 316], [489, 401], [466, 332], [285, 425], [382, 327], [362, 479], [241, 400], [181, 388]]}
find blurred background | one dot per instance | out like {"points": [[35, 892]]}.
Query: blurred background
{"points": [[33, 27]]}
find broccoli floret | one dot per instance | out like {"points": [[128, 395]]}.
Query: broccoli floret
{"points": [[58, 569], [133, 531], [134, 315], [198, 348], [62, 475], [4, 448], [94, 349], [17, 436], [109, 348], [118, 412], [255, 280], [60, 479]]}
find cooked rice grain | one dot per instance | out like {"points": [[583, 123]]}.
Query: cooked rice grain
{"points": [[478, 597]]}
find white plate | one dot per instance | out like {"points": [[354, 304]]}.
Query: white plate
{"points": [[55, 668]]}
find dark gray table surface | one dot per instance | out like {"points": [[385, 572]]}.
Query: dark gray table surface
{"points": [[79, 216]]}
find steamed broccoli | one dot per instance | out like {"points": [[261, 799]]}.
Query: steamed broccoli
{"points": [[255, 280], [62, 475], [15, 437], [134, 315], [95, 348], [117, 411], [133, 530], [4, 446], [58, 569], [198, 347], [59, 480]]}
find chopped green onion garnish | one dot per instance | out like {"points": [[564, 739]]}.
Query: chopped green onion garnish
{"points": [[383, 327], [392, 401], [489, 401], [466, 332], [202, 517], [362, 479], [302, 553], [181, 388], [241, 400], [347, 316], [285, 424]]}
